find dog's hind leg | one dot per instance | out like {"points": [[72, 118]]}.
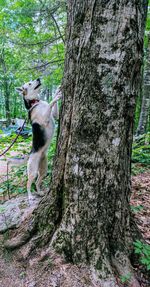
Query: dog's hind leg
{"points": [[42, 172], [32, 170], [29, 183]]}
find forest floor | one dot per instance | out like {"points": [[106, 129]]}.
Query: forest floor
{"points": [[51, 270]]}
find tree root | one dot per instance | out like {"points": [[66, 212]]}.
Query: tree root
{"points": [[120, 261], [124, 269], [31, 237], [17, 241], [23, 234]]}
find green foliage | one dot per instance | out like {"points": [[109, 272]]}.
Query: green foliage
{"points": [[17, 180], [139, 168], [141, 150], [143, 250], [31, 46], [137, 208], [125, 278], [141, 154]]}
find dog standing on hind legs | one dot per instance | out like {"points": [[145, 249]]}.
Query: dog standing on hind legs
{"points": [[42, 116]]}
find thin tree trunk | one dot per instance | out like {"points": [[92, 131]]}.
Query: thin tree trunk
{"points": [[15, 106], [143, 120], [86, 217], [49, 93], [7, 101], [6, 87]]}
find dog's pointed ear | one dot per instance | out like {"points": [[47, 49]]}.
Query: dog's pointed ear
{"points": [[19, 90]]}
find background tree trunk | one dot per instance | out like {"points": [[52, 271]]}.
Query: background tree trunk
{"points": [[86, 217], [7, 101], [143, 120], [5, 86]]}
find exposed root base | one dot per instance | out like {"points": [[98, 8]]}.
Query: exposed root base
{"points": [[22, 235], [17, 241], [124, 269], [85, 275], [29, 241]]}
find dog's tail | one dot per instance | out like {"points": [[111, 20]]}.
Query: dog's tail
{"points": [[14, 161]]}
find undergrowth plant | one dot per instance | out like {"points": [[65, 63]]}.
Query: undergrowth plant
{"points": [[143, 250], [141, 154], [136, 209], [141, 149], [125, 278]]}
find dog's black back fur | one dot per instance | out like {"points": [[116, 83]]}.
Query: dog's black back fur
{"points": [[39, 137]]}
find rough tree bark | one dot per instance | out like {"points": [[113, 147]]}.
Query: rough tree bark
{"points": [[86, 216], [142, 125]]}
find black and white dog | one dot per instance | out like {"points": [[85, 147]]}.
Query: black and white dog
{"points": [[42, 119]]}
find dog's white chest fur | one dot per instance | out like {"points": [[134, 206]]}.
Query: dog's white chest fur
{"points": [[42, 114]]}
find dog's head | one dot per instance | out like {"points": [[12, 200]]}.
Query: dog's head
{"points": [[30, 90]]}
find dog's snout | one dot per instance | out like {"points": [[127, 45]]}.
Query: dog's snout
{"points": [[38, 80]]}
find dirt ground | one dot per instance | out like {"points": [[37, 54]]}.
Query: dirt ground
{"points": [[52, 271]]}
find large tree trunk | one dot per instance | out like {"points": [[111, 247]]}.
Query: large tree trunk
{"points": [[143, 120], [86, 217]]}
